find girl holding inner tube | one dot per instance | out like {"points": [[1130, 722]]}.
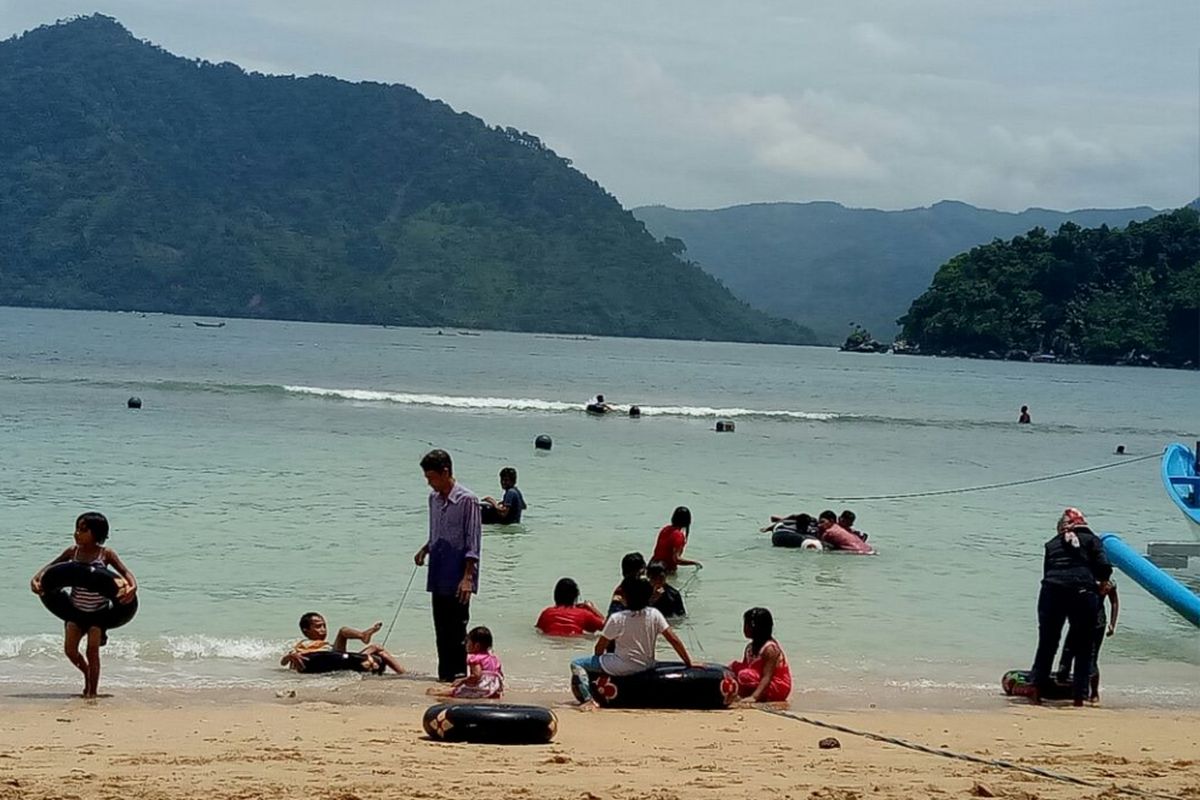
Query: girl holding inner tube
{"points": [[91, 531]]}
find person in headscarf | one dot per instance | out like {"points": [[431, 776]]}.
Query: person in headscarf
{"points": [[1073, 569]]}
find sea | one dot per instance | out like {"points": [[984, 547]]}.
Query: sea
{"points": [[273, 470]]}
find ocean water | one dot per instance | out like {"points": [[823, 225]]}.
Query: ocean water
{"points": [[273, 470]]}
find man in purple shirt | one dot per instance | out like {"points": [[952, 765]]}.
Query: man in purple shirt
{"points": [[453, 553]]}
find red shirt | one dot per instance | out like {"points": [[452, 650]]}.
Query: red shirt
{"points": [[569, 621], [670, 540]]}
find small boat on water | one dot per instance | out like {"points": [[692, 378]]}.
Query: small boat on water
{"points": [[208, 324], [1180, 479]]}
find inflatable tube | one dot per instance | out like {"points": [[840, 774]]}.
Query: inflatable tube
{"points": [[785, 535], [489, 514], [58, 581], [490, 723], [1016, 682], [1151, 578], [332, 661], [594, 408], [668, 685]]}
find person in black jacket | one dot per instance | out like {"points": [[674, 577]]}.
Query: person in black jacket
{"points": [[1073, 569]]}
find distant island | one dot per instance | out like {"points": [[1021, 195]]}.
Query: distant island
{"points": [[1100, 295], [134, 179]]}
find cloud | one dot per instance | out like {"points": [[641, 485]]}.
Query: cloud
{"points": [[696, 104], [779, 133]]}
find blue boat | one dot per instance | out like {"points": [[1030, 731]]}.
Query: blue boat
{"points": [[1182, 483]]}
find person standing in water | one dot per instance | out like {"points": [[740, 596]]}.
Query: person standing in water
{"points": [[453, 554], [668, 548], [1075, 571], [1024, 419]]}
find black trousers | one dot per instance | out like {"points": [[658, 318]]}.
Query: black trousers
{"points": [[1058, 605], [450, 619]]}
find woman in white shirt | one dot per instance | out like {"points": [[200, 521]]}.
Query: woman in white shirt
{"points": [[635, 633]]}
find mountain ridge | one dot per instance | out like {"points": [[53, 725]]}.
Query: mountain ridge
{"points": [[835, 265], [134, 178]]}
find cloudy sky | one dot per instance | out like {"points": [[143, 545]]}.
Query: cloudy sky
{"points": [[697, 104]]}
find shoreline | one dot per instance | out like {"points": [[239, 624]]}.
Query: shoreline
{"points": [[320, 746]]}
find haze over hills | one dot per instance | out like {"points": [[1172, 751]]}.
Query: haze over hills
{"points": [[134, 179], [830, 266]]}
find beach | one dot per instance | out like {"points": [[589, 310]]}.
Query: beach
{"points": [[367, 742]]}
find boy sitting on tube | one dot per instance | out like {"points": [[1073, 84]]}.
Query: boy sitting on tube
{"points": [[315, 629]]}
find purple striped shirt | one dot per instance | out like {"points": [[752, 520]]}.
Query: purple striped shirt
{"points": [[454, 532]]}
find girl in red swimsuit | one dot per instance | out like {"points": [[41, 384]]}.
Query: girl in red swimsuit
{"points": [[763, 673]]}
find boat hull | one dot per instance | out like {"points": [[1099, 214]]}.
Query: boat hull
{"points": [[1182, 483]]}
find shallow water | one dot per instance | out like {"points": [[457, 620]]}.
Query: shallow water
{"points": [[273, 470]]}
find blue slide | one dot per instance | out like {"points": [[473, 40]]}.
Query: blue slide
{"points": [[1151, 578]]}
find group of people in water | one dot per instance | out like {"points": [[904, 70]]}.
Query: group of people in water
{"points": [[832, 531], [1077, 579]]}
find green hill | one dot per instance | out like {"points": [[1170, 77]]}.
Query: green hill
{"points": [[827, 265], [134, 179], [1099, 295]]}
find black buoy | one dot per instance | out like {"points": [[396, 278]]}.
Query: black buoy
{"points": [[724, 426], [543, 442], [1120, 450], [634, 411], [134, 402]]}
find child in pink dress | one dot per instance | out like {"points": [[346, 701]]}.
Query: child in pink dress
{"points": [[485, 676]]}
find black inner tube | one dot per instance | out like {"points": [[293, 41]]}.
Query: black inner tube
{"points": [[667, 685], [324, 661], [61, 578], [490, 723]]}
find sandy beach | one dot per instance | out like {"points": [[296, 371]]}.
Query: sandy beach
{"points": [[366, 743]]}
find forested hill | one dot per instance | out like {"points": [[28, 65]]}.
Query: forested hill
{"points": [[1100, 295], [829, 265], [134, 179]]}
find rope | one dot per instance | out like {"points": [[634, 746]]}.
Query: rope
{"points": [[403, 597], [990, 762], [1004, 485]]}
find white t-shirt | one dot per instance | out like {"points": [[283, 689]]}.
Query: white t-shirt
{"points": [[635, 633]]}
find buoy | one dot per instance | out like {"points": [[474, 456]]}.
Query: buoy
{"points": [[134, 402], [543, 442], [724, 426], [634, 411]]}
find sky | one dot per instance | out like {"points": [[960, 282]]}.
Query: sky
{"points": [[1004, 104]]}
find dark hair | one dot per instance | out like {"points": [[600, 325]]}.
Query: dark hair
{"points": [[509, 472], [1024, 409], [600, 397], [849, 516], [761, 625], [682, 518], [566, 592], [96, 524], [480, 636], [655, 568], [829, 515], [306, 621], [637, 593], [632, 565], [437, 461]]}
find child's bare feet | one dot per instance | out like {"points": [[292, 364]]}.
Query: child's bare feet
{"points": [[371, 631], [590, 705]]}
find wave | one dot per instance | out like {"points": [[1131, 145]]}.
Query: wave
{"points": [[533, 404], [537, 405], [188, 647]]}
